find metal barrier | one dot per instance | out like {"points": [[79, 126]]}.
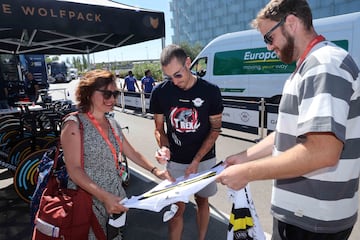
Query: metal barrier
{"points": [[58, 89], [254, 117], [134, 101]]}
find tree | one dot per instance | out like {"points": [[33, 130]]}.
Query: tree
{"points": [[49, 59], [139, 70], [192, 51], [85, 62], [77, 63]]}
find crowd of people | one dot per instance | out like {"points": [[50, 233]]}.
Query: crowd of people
{"points": [[312, 155]]}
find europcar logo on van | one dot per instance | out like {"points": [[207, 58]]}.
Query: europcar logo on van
{"points": [[250, 61], [254, 61]]}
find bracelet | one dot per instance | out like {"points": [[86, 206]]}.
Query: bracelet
{"points": [[152, 170]]}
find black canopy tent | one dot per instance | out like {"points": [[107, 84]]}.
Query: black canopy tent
{"points": [[74, 26]]}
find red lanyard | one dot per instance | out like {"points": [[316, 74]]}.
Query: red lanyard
{"points": [[315, 41], [102, 133]]}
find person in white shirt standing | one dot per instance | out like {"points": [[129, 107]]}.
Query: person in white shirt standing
{"points": [[313, 155]]}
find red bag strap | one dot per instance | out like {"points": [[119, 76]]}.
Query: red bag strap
{"points": [[97, 229], [56, 155], [95, 225], [81, 127]]}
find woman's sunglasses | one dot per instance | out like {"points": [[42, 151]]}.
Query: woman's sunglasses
{"points": [[107, 93]]}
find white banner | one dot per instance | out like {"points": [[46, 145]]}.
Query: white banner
{"points": [[167, 193]]}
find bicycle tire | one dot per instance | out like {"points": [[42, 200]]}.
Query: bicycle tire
{"points": [[10, 126], [52, 142], [26, 175], [24, 148], [6, 137], [7, 116], [11, 138], [8, 121]]}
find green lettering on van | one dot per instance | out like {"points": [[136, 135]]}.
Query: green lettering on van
{"points": [[249, 61], [254, 61], [232, 90]]}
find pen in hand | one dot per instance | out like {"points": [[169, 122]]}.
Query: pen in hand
{"points": [[162, 155]]}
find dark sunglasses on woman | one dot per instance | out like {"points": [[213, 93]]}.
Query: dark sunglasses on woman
{"points": [[107, 93]]}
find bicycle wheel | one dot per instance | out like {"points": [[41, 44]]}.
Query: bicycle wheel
{"points": [[52, 143], [10, 139], [6, 117], [9, 122], [10, 126], [24, 148], [125, 165], [26, 175]]}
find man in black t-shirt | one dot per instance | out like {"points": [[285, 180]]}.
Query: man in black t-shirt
{"points": [[191, 108]]}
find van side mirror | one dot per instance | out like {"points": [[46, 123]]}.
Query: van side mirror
{"points": [[201, 73]]}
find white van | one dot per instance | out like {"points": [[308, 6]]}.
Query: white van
{"points": [[240, 64]]}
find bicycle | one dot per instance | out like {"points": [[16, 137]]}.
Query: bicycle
{"points": [[26, 175], [33, 131], [24, 144]]}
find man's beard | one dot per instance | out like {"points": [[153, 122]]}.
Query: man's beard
{"points": [[287, 52]]}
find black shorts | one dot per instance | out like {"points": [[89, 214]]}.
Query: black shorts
{"points": [[284, 231]]}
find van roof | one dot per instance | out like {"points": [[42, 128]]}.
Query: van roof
{"points": [[253, 37]]}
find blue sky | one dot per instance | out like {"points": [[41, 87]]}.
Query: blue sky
{"points": [[149, 49]]}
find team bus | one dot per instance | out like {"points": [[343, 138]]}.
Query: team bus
{"points": [[59, 72]]}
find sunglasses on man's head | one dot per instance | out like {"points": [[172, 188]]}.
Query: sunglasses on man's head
{"points": [[175, 75], [107, 93], [267, 37]]}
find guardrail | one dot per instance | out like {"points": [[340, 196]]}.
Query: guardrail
{"points": [[134, 101], [254, 117], [58, 89]]}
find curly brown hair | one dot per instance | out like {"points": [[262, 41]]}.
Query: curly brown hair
{"points": [[91, 81]]}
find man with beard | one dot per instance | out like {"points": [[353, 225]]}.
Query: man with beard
{"points": [[313, 154]]}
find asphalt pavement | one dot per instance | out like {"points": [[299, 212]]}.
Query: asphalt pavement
{"points": [[14, 212], [140, 224]]}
